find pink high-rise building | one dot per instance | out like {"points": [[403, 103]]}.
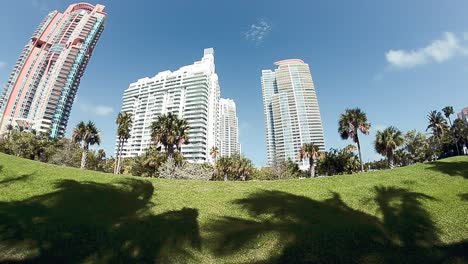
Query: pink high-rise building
{"points": [[42, 86], [463, 115]]}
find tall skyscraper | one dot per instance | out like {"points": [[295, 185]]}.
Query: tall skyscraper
{"points": [[191, 92], [228, 128], [291, 109], [463, 115], [41, 89]]}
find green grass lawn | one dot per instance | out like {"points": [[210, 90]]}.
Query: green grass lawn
{"points": [[417, 214]]}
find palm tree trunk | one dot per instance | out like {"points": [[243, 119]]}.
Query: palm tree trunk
{"points": [[454, 138], [456, 145], [170, 150], [84, 155], [439, 148], [117, 169], [390, 160], [359, 151], [311, 168], [117, 156]]}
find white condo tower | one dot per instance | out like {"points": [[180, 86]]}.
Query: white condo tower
{"points": [[229, 128], [191, 92]]}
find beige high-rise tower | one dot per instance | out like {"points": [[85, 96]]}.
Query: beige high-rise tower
{"points": [[228, 128], [292, 114]]}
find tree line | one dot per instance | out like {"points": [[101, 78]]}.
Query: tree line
{"points": [[169, 133], [444, 139]]}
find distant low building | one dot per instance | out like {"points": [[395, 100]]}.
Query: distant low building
{"points": [[463, 115]]}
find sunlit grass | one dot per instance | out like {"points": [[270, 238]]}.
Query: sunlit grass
{"points": [[50, 213]]}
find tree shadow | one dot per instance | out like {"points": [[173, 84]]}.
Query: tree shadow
{"points": [[463, 196], [455, 168], [93, 222], [329, 231], [10, 180]]}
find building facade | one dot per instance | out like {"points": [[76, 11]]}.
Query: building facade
{"points": [[228, 128], [291, 111], [40, 91], [463, 115], [191, 92]]}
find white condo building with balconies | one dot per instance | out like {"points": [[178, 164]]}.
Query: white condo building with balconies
{"points": [[191, 92], [228, 128]]}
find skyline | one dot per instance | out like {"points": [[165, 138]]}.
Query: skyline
{"points": [[423, 63]]}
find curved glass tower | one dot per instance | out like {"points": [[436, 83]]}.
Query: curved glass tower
{"points": [[41, 89], [292, 114]]}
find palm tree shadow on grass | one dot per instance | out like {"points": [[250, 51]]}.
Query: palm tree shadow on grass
{"points": [[92, 222], [329, 231], [463, 196], [11, 180], [455, 168]]}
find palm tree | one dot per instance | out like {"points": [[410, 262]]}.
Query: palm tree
{"points": [[387, 141], [223, 167], [448, 111], [214, 152], [460, 131], [182, 130], [350, 148], [85, 134], [352, 121], [437, 124], [312, 152], [9, 129], [124, 124], [241, 166], [171, 132]]}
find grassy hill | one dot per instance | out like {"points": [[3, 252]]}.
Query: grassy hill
{"points": [[416, 214]]}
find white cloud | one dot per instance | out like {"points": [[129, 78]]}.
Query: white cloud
{"points": [[100, 110], [2, 65], [103, 110], [439, 50], [258, 31]]}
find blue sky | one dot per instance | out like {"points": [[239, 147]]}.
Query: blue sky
{"points": [[397, 60]]}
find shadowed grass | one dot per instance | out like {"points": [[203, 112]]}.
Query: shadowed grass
{"points": [[54, 214], [310, 231], [457, 166], [463, 196], [86, 221]]}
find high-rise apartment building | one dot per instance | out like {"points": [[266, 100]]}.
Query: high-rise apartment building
{"points": [[191, 92], [228, 128], [41, 89], [291, 109], [463, 115]]}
